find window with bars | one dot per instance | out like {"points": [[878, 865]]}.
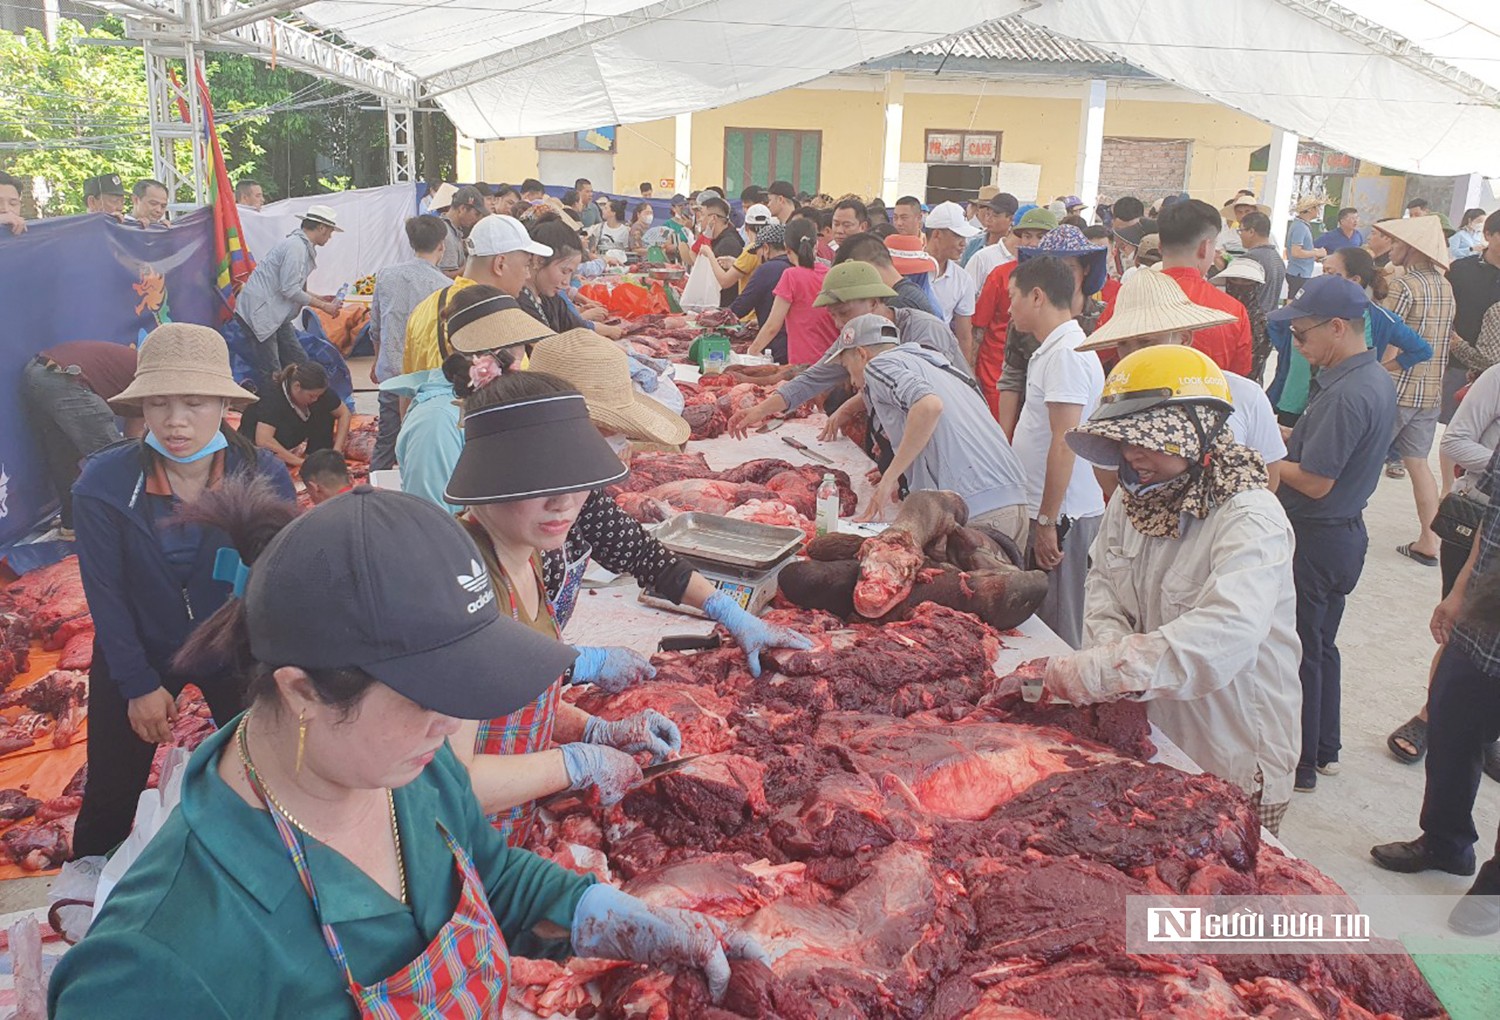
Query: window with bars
{"points": [[760, 156]]}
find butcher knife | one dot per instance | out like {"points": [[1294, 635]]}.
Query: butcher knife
{"points": [[801, 447], [771, 426], [689, 642], [648, 774]]}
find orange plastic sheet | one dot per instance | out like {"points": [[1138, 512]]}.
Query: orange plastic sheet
{"points": [[41, 770]]}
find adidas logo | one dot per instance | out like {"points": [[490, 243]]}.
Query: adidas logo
{"points": [[477, 582]]}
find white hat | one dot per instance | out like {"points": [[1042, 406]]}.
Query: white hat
{"points": [[950, 216], [325, 215], [758, 215], [501, 235], [1151, 302], [442, 198], [1240, 269]]}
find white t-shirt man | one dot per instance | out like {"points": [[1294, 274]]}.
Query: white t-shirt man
{"points": [[985, 261], [1059, 374], [1253, 420], [955, 291]]}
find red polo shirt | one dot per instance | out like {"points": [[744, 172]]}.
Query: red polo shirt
{"points": [[1230, 344]]}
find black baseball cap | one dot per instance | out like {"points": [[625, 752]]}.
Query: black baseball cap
{"points": [[104, 184], [389, 583], [784, 189]]}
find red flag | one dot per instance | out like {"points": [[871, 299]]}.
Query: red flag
{"points": [[232, 254]]}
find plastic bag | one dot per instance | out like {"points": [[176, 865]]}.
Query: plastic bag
{"points": [[151, 813], [702, 290]]}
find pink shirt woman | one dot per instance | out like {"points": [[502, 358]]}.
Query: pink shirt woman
{"points": [[810, 331]]}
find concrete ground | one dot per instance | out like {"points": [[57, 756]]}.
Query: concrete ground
{"points": [[1387, 650]]}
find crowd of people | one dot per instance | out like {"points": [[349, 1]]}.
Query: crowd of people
{"points": [[1100, 394]]}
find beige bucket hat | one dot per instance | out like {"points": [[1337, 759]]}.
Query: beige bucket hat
{"points": [[1424, 233], [1151, 302], [179, 359], [600, 371]]}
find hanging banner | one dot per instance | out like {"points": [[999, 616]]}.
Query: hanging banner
{"points": [[86, 278]]}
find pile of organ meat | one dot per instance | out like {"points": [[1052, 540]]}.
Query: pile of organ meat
{"points": [[926, 555], [769, 491], [46, 605], [907, 840], [709, 403]]}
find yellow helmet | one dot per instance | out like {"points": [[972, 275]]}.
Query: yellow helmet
{"points": [[1160, 375]]}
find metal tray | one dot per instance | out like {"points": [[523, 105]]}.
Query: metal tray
{"points": [[726, 540]]}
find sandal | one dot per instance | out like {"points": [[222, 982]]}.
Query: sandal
{"points": [[1414, 732], [1418, 557], [1395, 469]]}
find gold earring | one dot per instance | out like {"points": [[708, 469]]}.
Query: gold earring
{"points": [[301, 738]]}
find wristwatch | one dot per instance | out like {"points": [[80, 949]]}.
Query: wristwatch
{"points": [[1043, 521]]}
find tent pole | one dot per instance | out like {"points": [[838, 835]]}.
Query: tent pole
{"points": [[1281, 182], [682, 154], [895, 110], [1090, 147]]}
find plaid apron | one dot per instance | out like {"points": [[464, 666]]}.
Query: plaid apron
{"points": [[461, 975], [525, 730]]}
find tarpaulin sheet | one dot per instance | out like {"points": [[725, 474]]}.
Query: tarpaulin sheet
{"points": [[85, 278], [373, 236], [41, 770]]}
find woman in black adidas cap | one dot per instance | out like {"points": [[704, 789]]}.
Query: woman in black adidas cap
{"points": [[328, 857]]}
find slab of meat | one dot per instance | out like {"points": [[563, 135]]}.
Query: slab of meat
{"points": [[692, 495], [363, 432], [54, 694], [15, 805], [1001, 598], [888, 563], [775, 513], [908, 840], [38, 846], [49, 598], [78, 653], [648, 470]]}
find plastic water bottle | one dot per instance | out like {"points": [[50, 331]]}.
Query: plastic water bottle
{"points": [[828, 506]]}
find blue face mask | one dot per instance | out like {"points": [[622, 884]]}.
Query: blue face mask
{"points": [[1131, 482], [214, 445]]}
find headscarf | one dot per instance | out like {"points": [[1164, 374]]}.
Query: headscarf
{"points": [[1177, 429]]}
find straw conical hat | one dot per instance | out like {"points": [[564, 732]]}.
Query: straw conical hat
{"points": [[1151, 302], [600, 371], [179, 359], [1424, 233]]}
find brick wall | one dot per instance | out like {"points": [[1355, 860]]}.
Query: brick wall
{"points": [[1148, 168]]}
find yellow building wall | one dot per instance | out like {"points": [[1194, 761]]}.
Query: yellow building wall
{"points": [[1223, 140], [507, 160], [1036, 130], [645, 152], [853, 126]]}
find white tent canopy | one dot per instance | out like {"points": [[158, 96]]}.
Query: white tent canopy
{"points": [[1410, 84]]}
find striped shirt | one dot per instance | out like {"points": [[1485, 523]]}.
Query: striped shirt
{"points": [[1479, 642], [1424, 301]]}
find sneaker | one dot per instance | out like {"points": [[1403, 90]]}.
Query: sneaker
{"points": [[1330, 768], [1307, 779]]}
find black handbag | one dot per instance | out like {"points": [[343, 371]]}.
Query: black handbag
{"points": [[1458, 519]]}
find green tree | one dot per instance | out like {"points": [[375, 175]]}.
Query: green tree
{"points": [[74, 110], [71, 111]]}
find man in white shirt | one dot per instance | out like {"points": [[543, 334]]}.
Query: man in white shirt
{"points": [[994, 253], [1062, 389], [1151, 309], [947, 231]]}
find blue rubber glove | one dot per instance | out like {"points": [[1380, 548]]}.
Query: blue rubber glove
{"points": [[644, 731], [611, 669], [750, 632], [614, 925], [609, 771]]}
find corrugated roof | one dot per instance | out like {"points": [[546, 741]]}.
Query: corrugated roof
{"points": [[1014, 38]]}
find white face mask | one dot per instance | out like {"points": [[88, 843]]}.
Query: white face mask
{"points": [[646, 219]]}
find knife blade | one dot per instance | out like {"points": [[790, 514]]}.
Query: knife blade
{"points": [[801, 447], [770, 426], [648, 775], [689, 642]]}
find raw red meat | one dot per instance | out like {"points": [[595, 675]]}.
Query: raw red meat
{"points": [[648, 470], [15, 647], [903, 847], [78, 653], [15, 805], [691, 495], [776, 513], [889, 562], [661, 483], [360, 445], [39, 846], [49, 597], [54, 694]]}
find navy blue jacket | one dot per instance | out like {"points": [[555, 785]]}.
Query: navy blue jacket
{"points": [[142, 613]]}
